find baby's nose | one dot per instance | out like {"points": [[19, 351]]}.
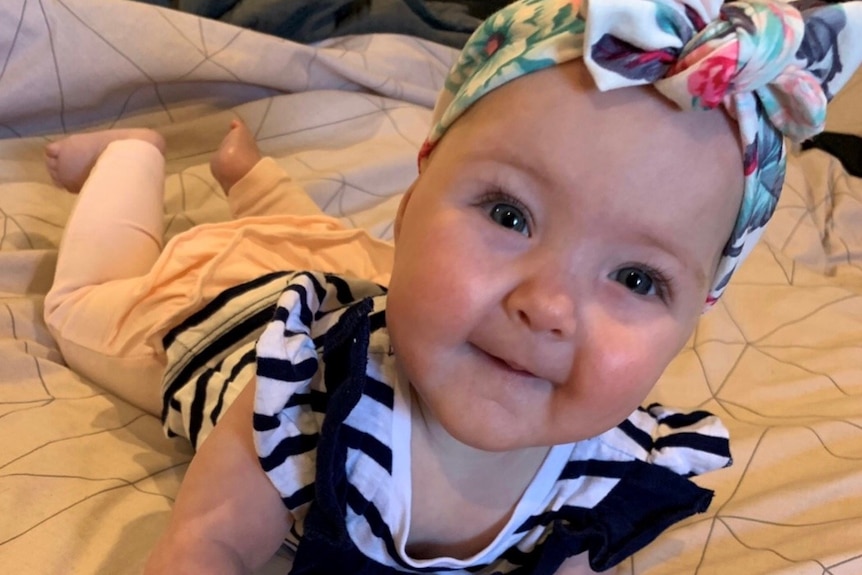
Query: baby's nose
{"points": [[544, 309]]}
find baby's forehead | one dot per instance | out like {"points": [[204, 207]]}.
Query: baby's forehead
{"points": [[554, 131], [561, 106]]}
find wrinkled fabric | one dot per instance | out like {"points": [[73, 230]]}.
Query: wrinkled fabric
{"points": [[772, 67]]}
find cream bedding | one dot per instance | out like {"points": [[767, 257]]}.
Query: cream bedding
{"points": [[87, 481]]}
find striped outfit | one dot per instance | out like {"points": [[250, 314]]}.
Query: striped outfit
{"points": [[332, 430]]}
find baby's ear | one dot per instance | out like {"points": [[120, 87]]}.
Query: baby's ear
{"points": [[403, 206]]}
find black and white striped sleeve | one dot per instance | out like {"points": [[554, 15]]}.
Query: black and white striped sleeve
{"points": [[290, 396], [687, 443]]}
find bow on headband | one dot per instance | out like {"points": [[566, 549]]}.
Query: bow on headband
{"points": [[770, 65]]}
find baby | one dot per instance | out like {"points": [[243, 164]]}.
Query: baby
{"points": [[480, 414]]}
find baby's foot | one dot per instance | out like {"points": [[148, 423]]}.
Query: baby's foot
{"points": [[70, 160], [236, 156]]}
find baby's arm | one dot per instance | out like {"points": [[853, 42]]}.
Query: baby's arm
{"points": [[228, 517]]}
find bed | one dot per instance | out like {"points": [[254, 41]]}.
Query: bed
{"points": [[87, 481]]}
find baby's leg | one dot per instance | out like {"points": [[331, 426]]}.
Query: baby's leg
{"points": [[116, 228], [113, 236], [254, 185]]}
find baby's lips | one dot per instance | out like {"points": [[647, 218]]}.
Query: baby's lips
{"points": [[518, 367]]}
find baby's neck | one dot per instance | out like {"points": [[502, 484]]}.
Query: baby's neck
{"points": [[461, 460], [462, 496]]}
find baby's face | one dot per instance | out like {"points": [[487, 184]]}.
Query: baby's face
{"points": [[555, 254]]}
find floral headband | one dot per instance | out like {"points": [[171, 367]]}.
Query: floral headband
{"points": [[772, 67]]}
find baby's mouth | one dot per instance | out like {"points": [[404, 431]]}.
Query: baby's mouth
{"points": [[511, 365]]}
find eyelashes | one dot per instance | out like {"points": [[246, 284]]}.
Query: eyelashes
{"points": [[644, 280]]}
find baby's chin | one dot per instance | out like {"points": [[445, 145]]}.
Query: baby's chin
{"points": [[499, 436]]}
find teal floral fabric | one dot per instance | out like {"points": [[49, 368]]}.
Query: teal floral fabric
{"points": [[772, 65]]}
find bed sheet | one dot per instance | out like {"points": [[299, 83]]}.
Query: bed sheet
{"points": [[87, 481]]}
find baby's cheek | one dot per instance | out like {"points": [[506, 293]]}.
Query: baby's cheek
{"points": [[629, 370]]}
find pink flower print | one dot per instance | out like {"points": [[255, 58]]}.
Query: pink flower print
{"points": [[749, 166], [493, 44], [710, 81], [424, 152]]}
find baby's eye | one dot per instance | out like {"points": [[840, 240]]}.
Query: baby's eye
{"points": [[511, 217], [637, 280]]}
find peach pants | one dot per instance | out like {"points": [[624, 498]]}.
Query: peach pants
{"points": [[117, 291]]}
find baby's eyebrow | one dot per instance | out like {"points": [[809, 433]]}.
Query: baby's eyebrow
{"points": [[686, 260]]}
